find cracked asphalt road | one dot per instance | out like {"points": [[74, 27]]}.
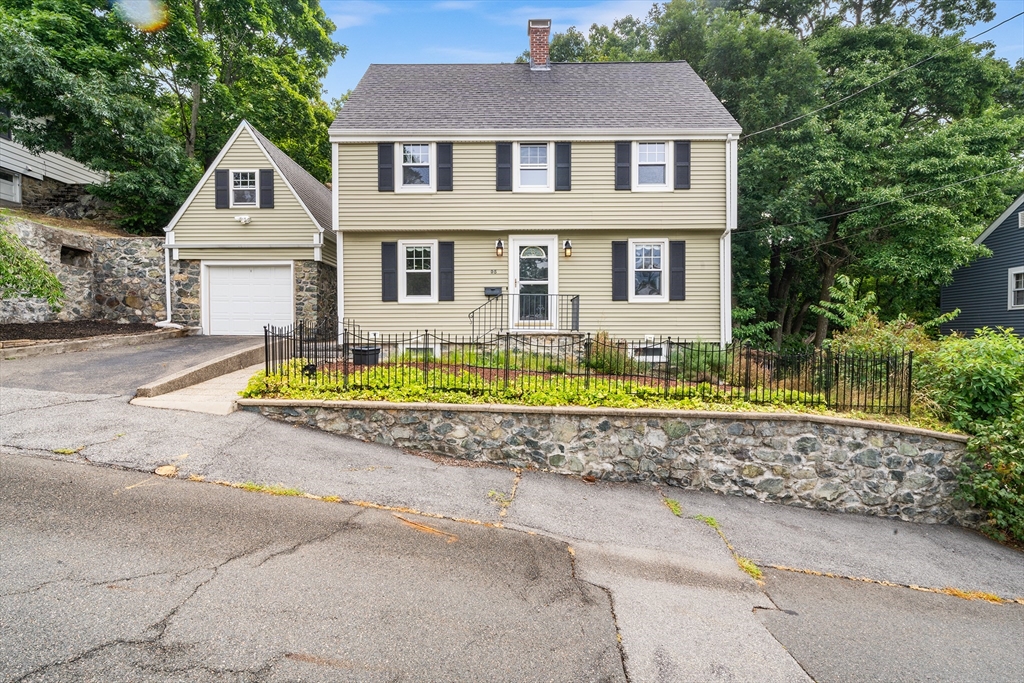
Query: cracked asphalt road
{"points": [[111, 575], [175, 580]]}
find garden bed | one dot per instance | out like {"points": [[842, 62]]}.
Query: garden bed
{"points": [[70, 329]]}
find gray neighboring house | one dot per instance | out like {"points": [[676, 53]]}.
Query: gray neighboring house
{"points": [[990, 291]]}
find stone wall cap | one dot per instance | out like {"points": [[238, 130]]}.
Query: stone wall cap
{"points": [[610, 412]]}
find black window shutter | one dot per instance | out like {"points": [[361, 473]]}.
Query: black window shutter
{"points": [[385, 167], [444, 167], [677, 271], [220, 189], [563, 166], [266, 188], [623, 169], [446, 271], [389, 271], [503, 169], [620, 271], [682, 165]]}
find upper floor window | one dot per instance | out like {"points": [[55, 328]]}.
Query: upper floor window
{"points": [[651, 166], [1016, 299], [417, 272], [647, 276], [243, 188], [417, 168], [533, 167]]}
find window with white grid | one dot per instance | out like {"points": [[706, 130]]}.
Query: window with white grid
{"points": [[417, 272], [243, 188], [648, 279], [652, 166], [1016, 288], [534, 170]]}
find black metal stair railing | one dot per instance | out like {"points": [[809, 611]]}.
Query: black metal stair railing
{"points": [[527, 313]]}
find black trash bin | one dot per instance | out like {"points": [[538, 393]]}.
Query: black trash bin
{"points": [[365, 355]]}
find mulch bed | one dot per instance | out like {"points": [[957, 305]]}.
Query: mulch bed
{"points": [[72, 329]]}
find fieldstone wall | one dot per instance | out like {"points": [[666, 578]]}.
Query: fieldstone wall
{"points": [[109, 278], [40, 195], [186, 292], [803, 460], [316, 291]]}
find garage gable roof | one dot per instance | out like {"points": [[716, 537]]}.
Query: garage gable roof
{"points": [[313, 196]]}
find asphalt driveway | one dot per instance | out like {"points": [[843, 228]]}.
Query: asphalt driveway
{"points": [[119, 370]]}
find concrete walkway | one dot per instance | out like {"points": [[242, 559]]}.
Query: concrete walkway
{"points": [[214, 396], [842, 596]]}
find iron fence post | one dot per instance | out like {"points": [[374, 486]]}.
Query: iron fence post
{"points": [[910, 380], [586, 363], [507, 351], [266, 357]]}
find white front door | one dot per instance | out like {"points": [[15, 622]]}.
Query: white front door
{"points": [[10, 187], [242, 299], [533, 275]]}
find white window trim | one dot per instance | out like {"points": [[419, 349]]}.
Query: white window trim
{"points": [[516, 186], [231, 188], [402, 297], [636, 350], [669, 168], [399, 176], [1009, 295], [636, 298]]}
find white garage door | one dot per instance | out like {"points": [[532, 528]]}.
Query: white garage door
{"points": [[245, 298]]}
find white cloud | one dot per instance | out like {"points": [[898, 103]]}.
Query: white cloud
{"points": [[349, 13], [581, 16], [455, 5]]}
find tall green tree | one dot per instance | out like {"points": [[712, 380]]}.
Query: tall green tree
{"points": [[153, 108]]}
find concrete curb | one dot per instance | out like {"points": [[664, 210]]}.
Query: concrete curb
{"points": [[91, 343], [611, 412], [222, 365]]}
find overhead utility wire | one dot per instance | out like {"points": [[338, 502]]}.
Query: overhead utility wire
{"points": [[868, 87], [742, 229]]}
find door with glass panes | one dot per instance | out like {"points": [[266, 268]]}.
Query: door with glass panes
{"points": [[533, 282]]}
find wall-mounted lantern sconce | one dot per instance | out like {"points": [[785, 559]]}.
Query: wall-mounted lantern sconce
{"points": [[568, 248], [499, 248]]}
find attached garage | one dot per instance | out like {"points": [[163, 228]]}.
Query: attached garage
{"points": [[242, 299]]}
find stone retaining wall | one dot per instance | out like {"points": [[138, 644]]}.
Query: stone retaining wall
{"points": [[110, 278], [803, 460], [316, 291]]}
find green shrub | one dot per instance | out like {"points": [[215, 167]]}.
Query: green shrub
{"points": [[993, 477], [974, 380]]}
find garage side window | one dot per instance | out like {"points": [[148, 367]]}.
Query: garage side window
{"points": [[243, 188]]}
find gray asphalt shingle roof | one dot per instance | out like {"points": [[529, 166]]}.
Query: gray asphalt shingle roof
{"points": [[311, 191], [570, 97]]}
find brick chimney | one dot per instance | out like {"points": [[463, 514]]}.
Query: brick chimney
{"points": [[539, 30]]}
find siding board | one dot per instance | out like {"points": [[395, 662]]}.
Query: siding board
{"points": [[287, 222], [593, 203], [587, 273], [981, 289]]}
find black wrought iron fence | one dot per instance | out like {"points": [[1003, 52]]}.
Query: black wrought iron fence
{"points": [[510, 365], [526, 312]]}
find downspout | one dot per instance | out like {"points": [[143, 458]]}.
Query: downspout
{"points": [[167, 286]]}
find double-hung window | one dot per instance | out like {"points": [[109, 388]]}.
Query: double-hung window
{"points": [[652, 166], [243, 188], [417, 271], [1016, 299], [533, 167], [417, 167], [648, 270]]}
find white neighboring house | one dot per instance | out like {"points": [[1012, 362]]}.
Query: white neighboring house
{"points": [[39, 181]]}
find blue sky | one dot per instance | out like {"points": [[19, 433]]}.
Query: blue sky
{"points": [[449, 31]]}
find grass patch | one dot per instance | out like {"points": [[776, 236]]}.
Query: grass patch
{"points": [[673, 505], [750, 568], [710, 521], [68, 451], [272, 489], [500, 497], [973, 595]]}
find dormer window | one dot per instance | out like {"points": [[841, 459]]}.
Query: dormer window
{"points": [[417, 168], [534, 170], [243, 188]]}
